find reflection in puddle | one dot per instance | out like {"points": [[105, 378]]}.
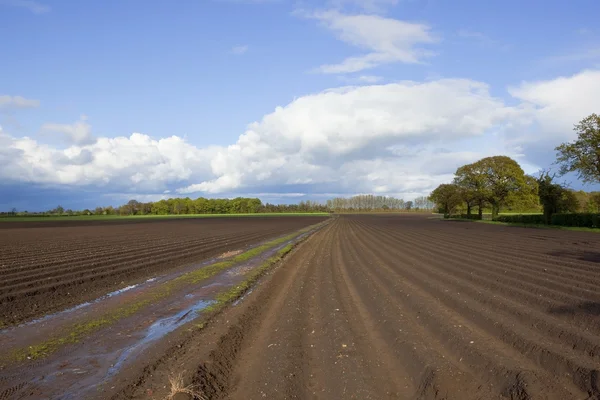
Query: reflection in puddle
{"points": [[159, 329]]}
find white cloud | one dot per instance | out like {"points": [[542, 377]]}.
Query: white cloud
{"points": [[558, 104], [17, 102], [33, 6], [79, 132], [317, 138], [402, 139], [239, 50], [136, 162], [386, 40]]}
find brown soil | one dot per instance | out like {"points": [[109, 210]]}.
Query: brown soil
{"points": [[401, 307], [50, 266]]}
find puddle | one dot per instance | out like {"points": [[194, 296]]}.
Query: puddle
{"points": [[159, 329]]}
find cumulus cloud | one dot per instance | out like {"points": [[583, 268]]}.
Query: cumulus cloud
{"points": [[385, 40], [560, 103], [399, 138], [138, 162], [319, 138], [79, 132], [11, 102], [33, 6]]}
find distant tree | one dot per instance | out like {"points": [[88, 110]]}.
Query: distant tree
{"points": [[13, 211], [503, 178], [99, 211], [447, 197], [59, 210], [408, 205], [582, 155], [132, 207]]}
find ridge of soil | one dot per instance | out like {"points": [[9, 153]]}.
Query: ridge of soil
{"points": [[401, 307], [47, 268]]}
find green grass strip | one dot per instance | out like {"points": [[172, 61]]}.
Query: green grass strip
{"points": [[542, 226], [78, 331]]}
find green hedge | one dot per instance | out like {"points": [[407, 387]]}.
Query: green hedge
{"points": [[521, 219], [462, 216], [587, 220]]}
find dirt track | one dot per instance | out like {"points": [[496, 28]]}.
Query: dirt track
{"points": [[49, 266], [379, 307]]}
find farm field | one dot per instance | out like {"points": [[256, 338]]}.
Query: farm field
{"points": [[378, 307], [405, 306], [51, 265]]}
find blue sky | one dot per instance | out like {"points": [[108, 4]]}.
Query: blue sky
{"points": [[287, 100]]}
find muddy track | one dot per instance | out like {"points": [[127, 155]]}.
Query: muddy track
{"points": [[405, 307], [48, 268]]}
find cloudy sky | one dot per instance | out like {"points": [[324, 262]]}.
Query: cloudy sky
{"points": [[105, 101]]}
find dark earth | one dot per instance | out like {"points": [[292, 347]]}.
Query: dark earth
{"points": [[50, 266], [378, 307]]}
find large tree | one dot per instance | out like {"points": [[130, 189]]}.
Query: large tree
{"points": [[503, 178], [447, 197], [471, 180], [582, 155]]}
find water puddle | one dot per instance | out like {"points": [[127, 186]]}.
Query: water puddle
{"points": [[159, 329]]}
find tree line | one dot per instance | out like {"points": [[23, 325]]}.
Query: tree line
{"points": [[369, 202], [245, 205], [499, 182]]}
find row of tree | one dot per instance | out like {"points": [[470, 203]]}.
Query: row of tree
{"points": [[244, 205], [369, 202], [499, 182]]}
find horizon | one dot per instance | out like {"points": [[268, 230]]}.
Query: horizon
{"points": [[284, 101]]}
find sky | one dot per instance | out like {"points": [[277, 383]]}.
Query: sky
{"points": [[106, 101]]}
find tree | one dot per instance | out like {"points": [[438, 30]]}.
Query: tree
{"points": [[554, 197], [471, 180], [583, 154], [503, 177], [59, 210], [594, 202], [408, 205], [132, 207], [447, 196]]}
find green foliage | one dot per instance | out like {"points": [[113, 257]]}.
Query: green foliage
{"points": [[555, 198], [588, 220], [522, 219], [471, 180], [447, 197], [498, 181], [463, 216], [582, 155]]}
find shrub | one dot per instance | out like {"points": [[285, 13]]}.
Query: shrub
{"points": [[588, 220], [462, 216], [521, 219]]}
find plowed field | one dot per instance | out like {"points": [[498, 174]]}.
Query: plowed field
{"points": [[49, 266], [382, 307]]}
